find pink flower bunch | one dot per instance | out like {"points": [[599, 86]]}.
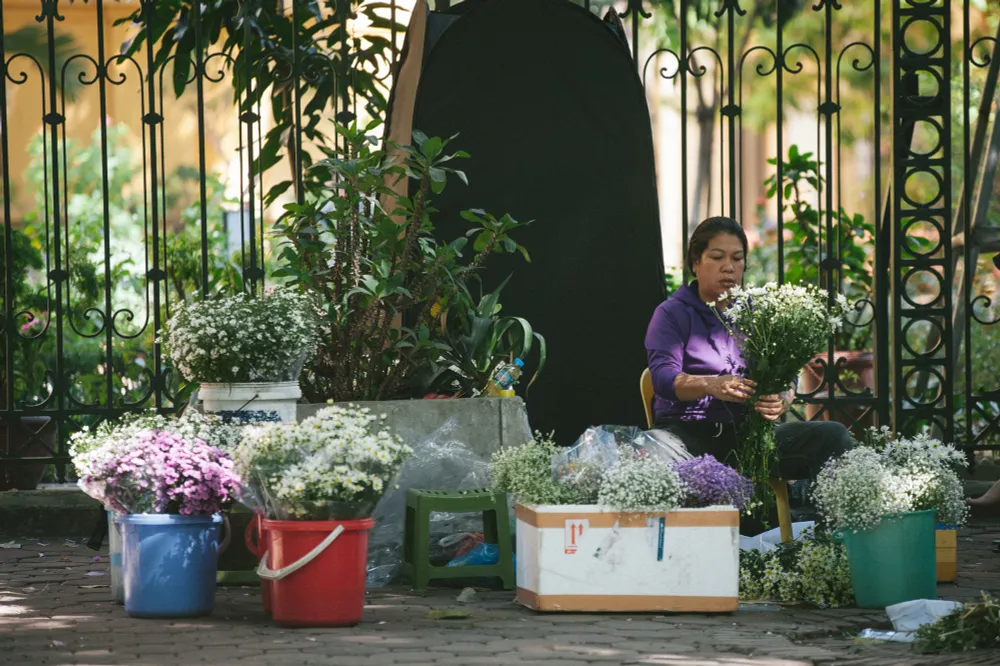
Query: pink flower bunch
{"points": [[34, 322], [160, 472]]}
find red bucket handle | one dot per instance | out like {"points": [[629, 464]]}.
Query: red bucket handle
{"points": [[252, 536], [267, 573]]}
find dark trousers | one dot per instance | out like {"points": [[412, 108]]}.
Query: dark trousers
{"points": [[803, 446]]}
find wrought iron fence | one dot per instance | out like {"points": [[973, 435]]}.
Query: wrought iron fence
{"points": [[877, 116]]}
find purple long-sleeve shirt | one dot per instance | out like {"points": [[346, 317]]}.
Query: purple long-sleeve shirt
{"points": [[685, 335]]}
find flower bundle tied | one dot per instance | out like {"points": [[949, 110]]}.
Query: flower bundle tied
{"points": [[779, 329]]}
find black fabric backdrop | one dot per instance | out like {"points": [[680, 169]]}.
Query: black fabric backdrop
{"points": [[546, 99]]}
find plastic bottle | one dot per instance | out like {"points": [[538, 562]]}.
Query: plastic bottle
{"points": [[504, 378]]}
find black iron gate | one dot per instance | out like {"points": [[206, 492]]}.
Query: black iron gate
{"points": [[877, 119]]}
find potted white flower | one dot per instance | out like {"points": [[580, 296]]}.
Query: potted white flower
{"points": [[246, 352], [934, 465], [623, 530], [316, 484], [885, 514]]}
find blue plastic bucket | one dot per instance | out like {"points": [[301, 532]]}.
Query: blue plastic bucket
{"points": [[169, 564]]}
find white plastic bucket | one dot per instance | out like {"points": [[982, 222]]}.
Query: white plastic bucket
{"points": [[278, 397], [115, 560]]}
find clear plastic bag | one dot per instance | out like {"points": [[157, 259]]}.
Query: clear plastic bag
{"points": [[600, 448], [662, 444], [582, 465], [438, 462]]}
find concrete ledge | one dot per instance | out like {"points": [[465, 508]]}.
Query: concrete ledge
{"points": [[57, 510], [483, 424]]}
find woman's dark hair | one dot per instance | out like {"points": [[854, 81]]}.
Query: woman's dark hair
{"points": [[709, 229]]}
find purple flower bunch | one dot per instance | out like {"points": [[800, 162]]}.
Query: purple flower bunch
{"points": [[709, 482], [157, 471]]}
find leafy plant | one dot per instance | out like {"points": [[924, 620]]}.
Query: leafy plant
{"points": [[673, 279], [811, 569], [369, 256], [853, 247], [476, 338], [974, 626], [524, 473], [315, 49], [86, 360], [24, 258]]}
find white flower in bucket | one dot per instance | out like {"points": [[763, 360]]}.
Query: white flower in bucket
{"points": [[317, 483]]}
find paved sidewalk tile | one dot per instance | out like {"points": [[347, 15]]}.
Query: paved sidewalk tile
{"points": [[55, 611]]}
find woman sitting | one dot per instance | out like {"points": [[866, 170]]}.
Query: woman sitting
{"points": [[697, 368]]}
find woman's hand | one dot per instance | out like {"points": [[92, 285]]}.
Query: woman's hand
{"points": [[771, 407], [730, 388]]}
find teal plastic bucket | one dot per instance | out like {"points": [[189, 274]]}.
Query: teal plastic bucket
{"points": [[169, 564], [894, 562]]}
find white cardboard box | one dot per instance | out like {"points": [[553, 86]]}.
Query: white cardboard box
{"points": [[587, 558]]}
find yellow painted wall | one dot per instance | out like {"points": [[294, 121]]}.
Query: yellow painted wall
{"points": [[124, 102]]}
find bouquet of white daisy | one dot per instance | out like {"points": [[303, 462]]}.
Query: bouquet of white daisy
{"points": [[857, 490], [335, 465], [242, 338], [928, 469], [778, 328]]}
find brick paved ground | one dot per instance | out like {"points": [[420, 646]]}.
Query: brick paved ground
{"points": [[53, 613]]}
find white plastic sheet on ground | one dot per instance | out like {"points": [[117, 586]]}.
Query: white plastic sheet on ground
{"points": [[911, 615]]}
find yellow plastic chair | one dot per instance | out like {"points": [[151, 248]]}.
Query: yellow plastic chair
{"points": [[779, 486]]}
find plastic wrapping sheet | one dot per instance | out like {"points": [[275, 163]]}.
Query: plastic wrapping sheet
{"points": [[582, 465], [440, 462], [663, 444], [599, 447]]}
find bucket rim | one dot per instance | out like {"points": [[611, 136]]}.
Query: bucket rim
{"points": [[169, 519], [317, 525], [225, 387], [907, 514]]}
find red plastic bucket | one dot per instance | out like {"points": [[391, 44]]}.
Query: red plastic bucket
{"points": [[317, 571], [256, 540]]}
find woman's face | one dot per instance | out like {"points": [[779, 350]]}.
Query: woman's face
{"points": [[720, 267]]}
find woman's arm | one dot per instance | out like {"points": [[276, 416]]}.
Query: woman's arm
{"points": [[665, 352], [725, 387]]}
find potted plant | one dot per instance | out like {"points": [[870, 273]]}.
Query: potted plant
{"points": [[885, 514], [853, 249], [316, 484], [369, 255], [90, 450], [476, 339], [168, 492], [604, 528], [245, 351], [932, 466]]}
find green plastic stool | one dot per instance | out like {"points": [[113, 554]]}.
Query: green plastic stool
{"points": [[416, 534]]}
